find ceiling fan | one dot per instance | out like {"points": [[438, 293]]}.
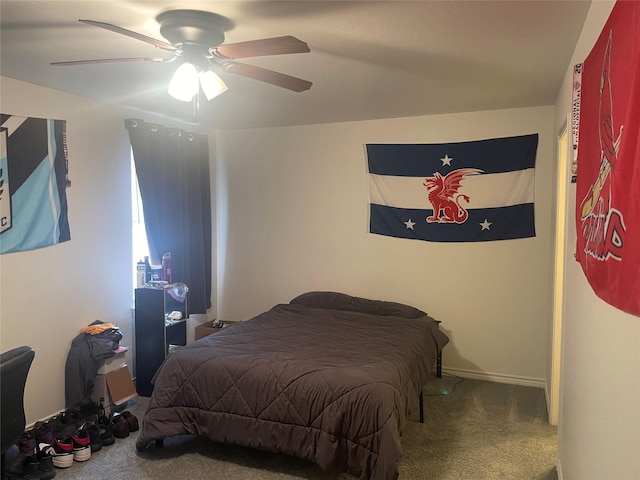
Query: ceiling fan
{"points": [[196, 40]]}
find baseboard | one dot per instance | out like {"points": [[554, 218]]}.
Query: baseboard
{"points": [[496, 377], [547, 399], [559, 469]]}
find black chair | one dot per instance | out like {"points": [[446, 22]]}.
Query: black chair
{"points": [[14, 368]]}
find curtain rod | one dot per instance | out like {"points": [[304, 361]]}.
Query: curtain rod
{"points": [[135, 122]]}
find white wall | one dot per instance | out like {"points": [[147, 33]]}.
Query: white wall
{"points": [[293, 217], [47, 295], [599, 428]]}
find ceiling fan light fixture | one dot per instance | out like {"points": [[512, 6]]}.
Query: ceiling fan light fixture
{"points": [[196, 40], [212, 85], [184, 83]]}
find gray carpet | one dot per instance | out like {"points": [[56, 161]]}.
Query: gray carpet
{"points": [[475, 431]]}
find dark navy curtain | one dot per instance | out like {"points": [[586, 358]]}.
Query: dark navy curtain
{"points": [[172, 166]]}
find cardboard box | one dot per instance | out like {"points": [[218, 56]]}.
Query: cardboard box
{"points": [[114, 388], [207, 328], [114, 362]]}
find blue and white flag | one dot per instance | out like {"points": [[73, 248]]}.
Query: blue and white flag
{"points": [[33, 179], [453, 192]]}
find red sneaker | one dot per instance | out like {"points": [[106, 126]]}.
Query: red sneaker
{"points": [[81, 445], [61, 452]]}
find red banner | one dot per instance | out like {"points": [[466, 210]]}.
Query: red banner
{"points": [[608, 183]]}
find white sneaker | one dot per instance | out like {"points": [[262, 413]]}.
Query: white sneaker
{"points": [[81, 446], [59, 457]]}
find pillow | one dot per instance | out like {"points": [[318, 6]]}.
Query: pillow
{"points": [[342, 301], [330, 300], [384, 308]]}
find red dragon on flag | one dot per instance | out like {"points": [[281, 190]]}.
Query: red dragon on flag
{"points": [[444, 197]]}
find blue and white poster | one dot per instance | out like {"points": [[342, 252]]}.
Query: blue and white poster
{"points": [[33, 180]]}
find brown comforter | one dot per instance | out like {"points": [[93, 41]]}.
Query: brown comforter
{"points": [[330, 386]]}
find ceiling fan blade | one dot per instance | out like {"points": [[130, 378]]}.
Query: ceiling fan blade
{"points": [[111, 60], [268, 76], [259, 48], [129, 33]]}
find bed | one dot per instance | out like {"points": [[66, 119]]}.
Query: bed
{"points": [[328, 377]]}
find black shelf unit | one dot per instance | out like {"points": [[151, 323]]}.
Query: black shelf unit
{"points": [[153, 335]]}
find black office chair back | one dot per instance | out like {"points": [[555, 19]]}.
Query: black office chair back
{"points": [[14, 367]]}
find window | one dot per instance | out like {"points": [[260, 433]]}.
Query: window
{"points": [[140, 248]]}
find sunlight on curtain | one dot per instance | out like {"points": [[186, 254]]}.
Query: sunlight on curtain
{"points": [[139, 244]]}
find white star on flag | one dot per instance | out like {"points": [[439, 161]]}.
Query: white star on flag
{"points": [[486, 225], [446, 160], [409, 224]]}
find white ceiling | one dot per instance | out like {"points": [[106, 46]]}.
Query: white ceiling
{"points": [[368, 60]]}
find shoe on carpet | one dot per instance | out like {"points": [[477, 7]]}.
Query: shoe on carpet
{"points": [[119, 426], [45, 462], [42, 432], [61, 452], [64, 424], [25, 468], [106, 430], [81, 445], [132, 420], [95, 441], [27, 444], [57, 425], [106, 436]]}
